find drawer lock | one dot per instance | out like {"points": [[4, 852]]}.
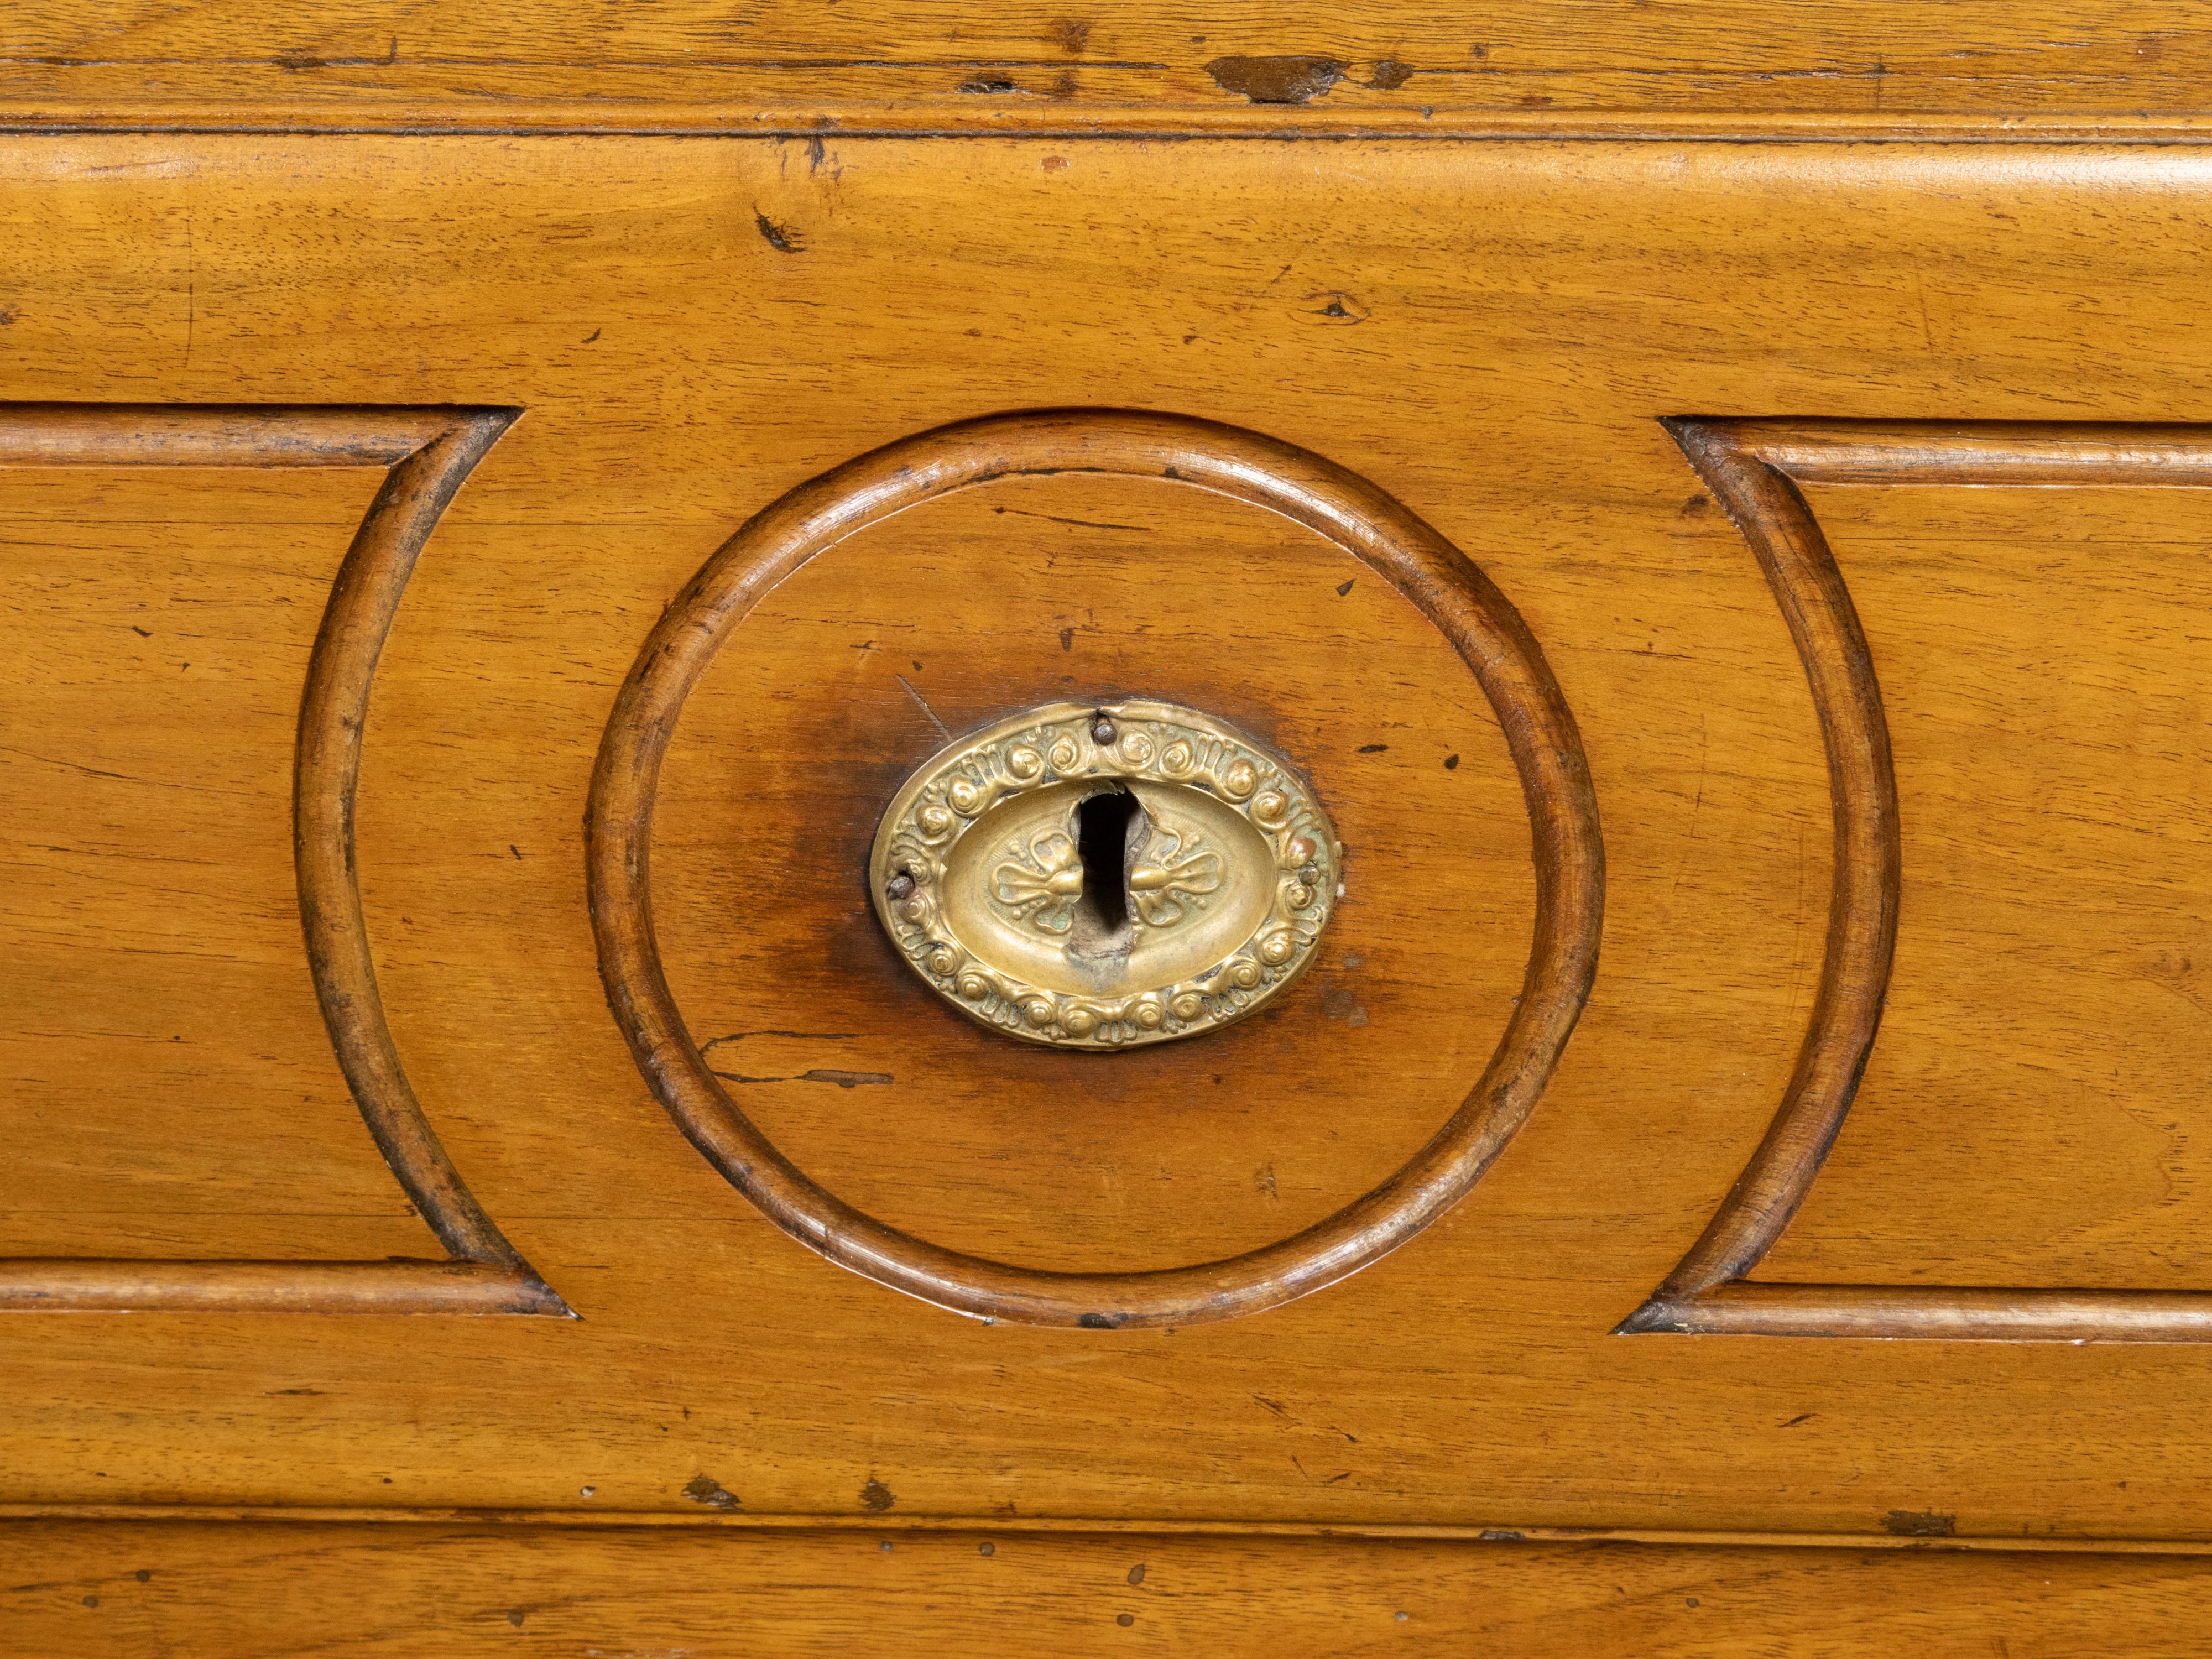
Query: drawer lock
{"points": [[1097, 877]]}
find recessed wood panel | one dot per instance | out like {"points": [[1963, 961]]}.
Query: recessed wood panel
{"points": [[421, 457], [2047, 669], [171, 1089], [1761, 469]]}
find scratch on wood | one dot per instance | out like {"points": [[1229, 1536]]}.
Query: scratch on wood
{"points": [[922, 703], [712, 1043], [842, 1080], [1086, 524]]}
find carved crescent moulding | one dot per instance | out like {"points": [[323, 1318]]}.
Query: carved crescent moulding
{"points": [[425, 454], [1448, 590], [1757, 469]]}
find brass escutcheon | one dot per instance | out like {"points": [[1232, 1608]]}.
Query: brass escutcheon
{"points": [[1096, 877]]}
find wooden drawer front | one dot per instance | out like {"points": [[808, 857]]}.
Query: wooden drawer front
{"points": [[1761, 586]]}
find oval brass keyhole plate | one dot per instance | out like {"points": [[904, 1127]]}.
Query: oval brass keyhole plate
{"points": [[1097, 877]]}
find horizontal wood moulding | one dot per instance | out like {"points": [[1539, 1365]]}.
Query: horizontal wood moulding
{"points": [[1919, 1531], [889, 119], [1980, 70], [459, 1587]]}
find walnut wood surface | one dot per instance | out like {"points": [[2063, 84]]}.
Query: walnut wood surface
{"points": [[1755, 469], [1490, 333], [1980, 70], [256, 1591], [429, 453], [1383, 537]]}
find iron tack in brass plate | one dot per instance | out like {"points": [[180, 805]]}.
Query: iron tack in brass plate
{"points": [[1096, 877]]}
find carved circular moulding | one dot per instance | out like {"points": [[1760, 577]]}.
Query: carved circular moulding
{"points": [[1098, 877], [1448, 590]]}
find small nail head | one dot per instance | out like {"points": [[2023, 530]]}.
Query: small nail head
{"points": [[1101, 730], [901, 886]]}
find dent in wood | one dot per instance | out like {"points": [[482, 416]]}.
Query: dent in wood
{"points": [[1278, 80]]}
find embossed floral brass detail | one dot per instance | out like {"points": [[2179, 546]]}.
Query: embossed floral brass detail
{"points": [[1197, 896], [1040, 883], [1172, 885]]}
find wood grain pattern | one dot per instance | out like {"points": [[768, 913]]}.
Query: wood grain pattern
{"points": [[429, 453], [1488, 330], [263, 1590], [1755, 468], [1982, 70], [1448, 589], [1530, 310]]}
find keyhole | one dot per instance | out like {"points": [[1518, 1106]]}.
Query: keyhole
{"points": [[1111, 829]]}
